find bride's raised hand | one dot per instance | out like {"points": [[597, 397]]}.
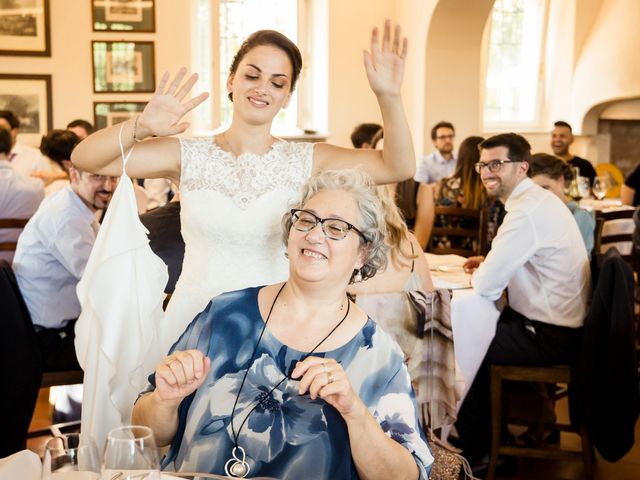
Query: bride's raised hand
{"points": [[384, 64], [161, 116]]}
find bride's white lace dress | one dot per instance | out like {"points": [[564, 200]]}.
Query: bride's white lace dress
{"points": [[231, 211]]}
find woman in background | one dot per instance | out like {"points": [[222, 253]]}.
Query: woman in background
{"points": [[553, 174]]}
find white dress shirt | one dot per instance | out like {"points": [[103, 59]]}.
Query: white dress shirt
{"points": [[20, 197], [434, 167], [26, 160], [538, 253], [51, 256]]}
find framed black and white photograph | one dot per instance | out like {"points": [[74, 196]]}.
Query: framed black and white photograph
{"points": [[24, 28], [106, 114], [123, 15], [29, 98], [123, 67]]}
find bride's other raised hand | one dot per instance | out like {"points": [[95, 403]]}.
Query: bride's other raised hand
{"points": [[384, 64], [162, 116]]}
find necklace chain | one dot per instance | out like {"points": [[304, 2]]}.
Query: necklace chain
{"points": [[287, 376]]}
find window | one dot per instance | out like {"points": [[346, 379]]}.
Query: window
{"points": [[513, 80], [221, 27]]}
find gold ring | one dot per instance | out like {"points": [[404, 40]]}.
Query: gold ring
{"points": [[330, 378]]}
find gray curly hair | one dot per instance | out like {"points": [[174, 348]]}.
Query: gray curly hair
{"points": [[371, 212]]}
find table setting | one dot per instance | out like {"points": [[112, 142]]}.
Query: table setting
{"points": [[130, 453]]}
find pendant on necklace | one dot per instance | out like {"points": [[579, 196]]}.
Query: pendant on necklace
{"points": [[237, 467]]}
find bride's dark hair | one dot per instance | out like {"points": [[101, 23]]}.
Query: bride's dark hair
{"points": [[274, 39]]}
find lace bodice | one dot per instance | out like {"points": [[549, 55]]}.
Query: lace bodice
{"points": [[231, 210]]}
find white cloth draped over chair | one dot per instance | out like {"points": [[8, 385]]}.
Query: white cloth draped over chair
{"points": [[117, 334]]}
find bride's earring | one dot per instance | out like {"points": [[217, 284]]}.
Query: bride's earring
{"points": [[357, 276]]}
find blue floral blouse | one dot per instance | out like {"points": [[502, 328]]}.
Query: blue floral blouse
{"points": [[289, 435]]}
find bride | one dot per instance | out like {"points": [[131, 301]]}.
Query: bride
{"points": [[235, 186]]}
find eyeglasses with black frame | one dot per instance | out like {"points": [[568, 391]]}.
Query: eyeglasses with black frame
{"points": [[493, 166], [333, 228]]}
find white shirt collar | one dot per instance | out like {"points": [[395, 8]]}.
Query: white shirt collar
{"points": [[519, 189]]}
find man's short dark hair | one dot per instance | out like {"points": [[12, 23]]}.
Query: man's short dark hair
{"points": [[58, 145], [5, 141], [11, 119], [364, 133], [82, 124], [518, 146], [561, 123], [434, 130]]}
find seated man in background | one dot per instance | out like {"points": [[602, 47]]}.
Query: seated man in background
{"points": [[630, 191], [19, 195], [81, 128], [25, 159], [362, 135], [51, 256], [561, 140], [534, 257]]}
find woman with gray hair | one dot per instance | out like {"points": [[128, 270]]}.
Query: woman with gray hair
{"points": [[293, 380]]}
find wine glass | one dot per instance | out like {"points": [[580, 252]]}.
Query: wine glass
{"points": [[583, 187], [71, 457], [600, 187], [131, 452]]}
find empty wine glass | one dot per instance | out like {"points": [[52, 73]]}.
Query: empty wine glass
{"points": [[600, 187], [131, 453], [71, 457]]}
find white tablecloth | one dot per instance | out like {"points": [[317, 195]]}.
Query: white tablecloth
{"points": [[473, 318]]}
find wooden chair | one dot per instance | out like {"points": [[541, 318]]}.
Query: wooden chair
{"points": [[624, 235], [6, 223], [556, 374], [595, 355], [452, 215]]}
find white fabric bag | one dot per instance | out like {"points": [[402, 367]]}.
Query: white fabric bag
{"points": [[121, 294]]}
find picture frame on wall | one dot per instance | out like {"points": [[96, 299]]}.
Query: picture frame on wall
{"points": [[24, 28], [123, 15], [123, 67], [29, 98], [107, 114]]}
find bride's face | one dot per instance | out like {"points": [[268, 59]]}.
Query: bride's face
{"points": [[261, 85]]}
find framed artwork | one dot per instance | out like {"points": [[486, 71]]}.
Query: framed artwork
{"points": [[106, 114], [123, 67], [29, 98], [123, 15], [24, 28]]}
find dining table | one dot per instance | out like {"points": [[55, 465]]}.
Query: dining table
{"points": [[473, 317]]}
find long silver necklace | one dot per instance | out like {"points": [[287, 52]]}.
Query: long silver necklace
{"points": [[237, 465]]}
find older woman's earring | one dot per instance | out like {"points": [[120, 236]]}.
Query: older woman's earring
{"points": [[357, 275], [286, 254]]}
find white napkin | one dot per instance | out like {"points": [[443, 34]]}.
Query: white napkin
{"points": [[25, 465]]}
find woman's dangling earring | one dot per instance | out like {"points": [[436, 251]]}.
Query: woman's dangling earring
{"points": [[357, 276]]}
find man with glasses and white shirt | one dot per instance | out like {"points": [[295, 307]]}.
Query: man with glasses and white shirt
{"points": [[442, 162], [50, 259], [536, 259]]}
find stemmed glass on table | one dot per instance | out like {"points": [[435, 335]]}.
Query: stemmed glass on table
{"points": [[131, 454], [600, 187], [71, 457]]}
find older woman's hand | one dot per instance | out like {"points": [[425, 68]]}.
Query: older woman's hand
{"points": [[325, 378], [180, 374]]}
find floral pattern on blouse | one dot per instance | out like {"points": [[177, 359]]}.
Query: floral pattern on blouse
{"points": [[288, 435]]}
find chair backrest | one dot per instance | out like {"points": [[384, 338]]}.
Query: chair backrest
{"points": [[458, 225], [11, 223], [420, 322], [615, 228], [22, 364], [605, 377]]}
